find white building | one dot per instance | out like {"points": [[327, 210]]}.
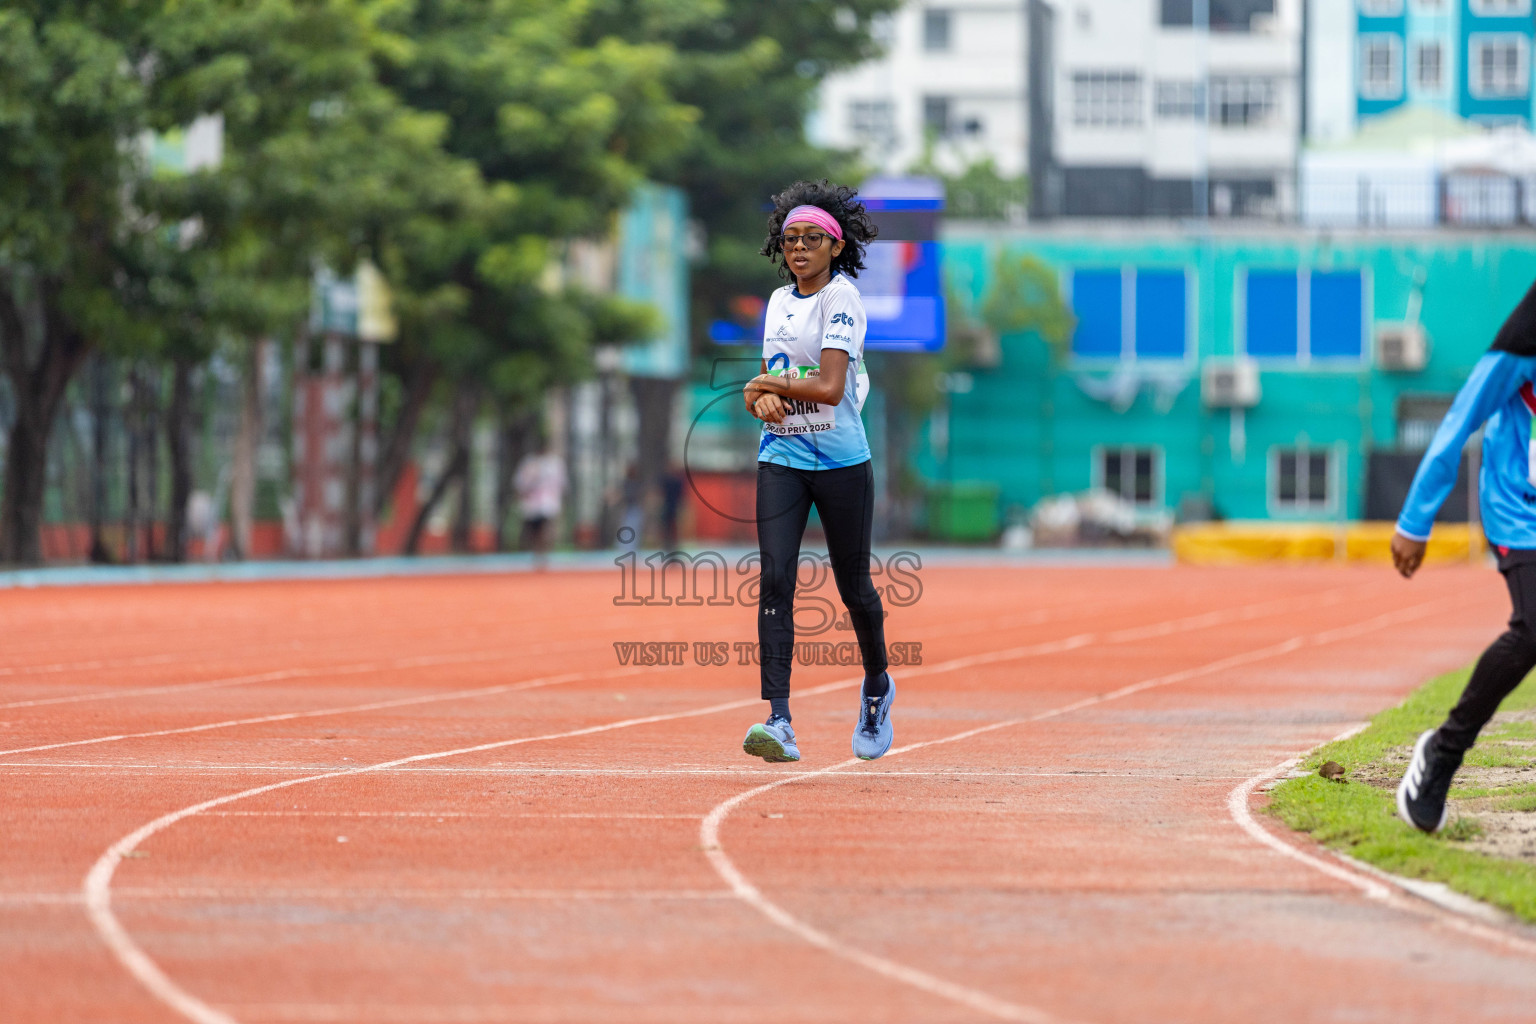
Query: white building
{"points": [[953, 76], [1134, 135]]}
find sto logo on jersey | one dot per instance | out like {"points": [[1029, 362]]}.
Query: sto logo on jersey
{"points": [[842, 318]]}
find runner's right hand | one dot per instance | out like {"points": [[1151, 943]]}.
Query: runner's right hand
{"points": [[769, 408]]}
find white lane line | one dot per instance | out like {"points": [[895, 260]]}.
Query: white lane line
{"points": [[97, 885], [1078, 641], [522, 1013], [235, 895], [96, 890], [975, 999], [381, 705], [1237, 807], [441, 815], [277, 675], [744, 890], [1401, 893], [536, 772]]}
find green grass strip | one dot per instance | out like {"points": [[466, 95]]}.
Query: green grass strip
{"points": [[1361, 819]]}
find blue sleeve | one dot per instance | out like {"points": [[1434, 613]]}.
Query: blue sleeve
{"points": [[1494, 381]]}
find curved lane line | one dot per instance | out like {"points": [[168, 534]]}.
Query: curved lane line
{"points": [[97, 887], [714, 850], [1372, 882]]}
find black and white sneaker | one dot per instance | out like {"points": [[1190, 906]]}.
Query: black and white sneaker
{"points": [[774, 741], [1421, 795]]}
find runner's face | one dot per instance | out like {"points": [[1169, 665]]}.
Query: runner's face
{"points": [[805, 263]]}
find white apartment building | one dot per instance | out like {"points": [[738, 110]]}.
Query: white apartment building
{"points": [[953, 76], [1139, 133]]}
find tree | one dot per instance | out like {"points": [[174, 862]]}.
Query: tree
{"points": [[73, 79], [752, 71], [94, 252], [562, 122]]}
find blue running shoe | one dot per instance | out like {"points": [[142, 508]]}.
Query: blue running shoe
{"points": [[774, 740], [872, 736]]}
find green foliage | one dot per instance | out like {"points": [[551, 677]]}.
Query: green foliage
{"points": [[1025, 297], [1022, 296], [458, 144], [1361, 819], [751, 70], [978, 192]]}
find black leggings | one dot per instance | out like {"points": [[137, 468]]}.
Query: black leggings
{"points": [[845, 499], [1501, 668]]}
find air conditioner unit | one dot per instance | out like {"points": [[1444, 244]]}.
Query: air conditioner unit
{"points": [[1229, 383], [1401, 347]]}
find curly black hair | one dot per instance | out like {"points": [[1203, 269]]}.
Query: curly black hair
{"points": [[838, 200]]}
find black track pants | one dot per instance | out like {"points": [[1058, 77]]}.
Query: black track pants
{"points": [[845, 500], [1501, 668]]}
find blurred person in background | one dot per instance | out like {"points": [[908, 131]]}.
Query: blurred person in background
{"points": [[1500, 397], [813, 451], [671, 505], [540, 484], [632, 522]]}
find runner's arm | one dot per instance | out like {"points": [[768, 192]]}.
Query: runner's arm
{"points": [[826, 388], [1495, 379], [752, 392]]}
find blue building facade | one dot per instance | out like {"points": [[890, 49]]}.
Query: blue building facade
{"points": [[1121, 408], [1471, 58]]}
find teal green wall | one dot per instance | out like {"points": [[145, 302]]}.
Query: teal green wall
{"points": [[1030, 427]]}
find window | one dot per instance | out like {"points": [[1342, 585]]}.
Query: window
{"points": [[1106, 99], [1381, 8], [1301, 479], [1134, 474], [1180, 101], [1242, 100], [873, 121], [1096, 301], [936, 25], [1381, 75], [936, 116], [1501, 8], [1177, 13], [1224, 15], [1429, 66], [1496, 65], [1126, 313], [1305, 315], [1161, 297]]}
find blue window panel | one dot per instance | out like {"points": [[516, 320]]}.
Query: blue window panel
{"points": [[1161, 318], [1270, 319], [1335, 325], [1096, 304]]}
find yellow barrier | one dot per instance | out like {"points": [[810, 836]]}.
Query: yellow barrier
{"points": [[1247, 543]]}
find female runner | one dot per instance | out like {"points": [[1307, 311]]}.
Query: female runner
{"points": [[813, 451]]}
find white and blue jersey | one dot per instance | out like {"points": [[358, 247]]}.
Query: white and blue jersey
{"points": [[1500, 394], [795, 331]]}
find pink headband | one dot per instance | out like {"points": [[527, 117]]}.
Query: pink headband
{"points": [[817, 216]]}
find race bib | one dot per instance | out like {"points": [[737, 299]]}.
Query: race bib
{"points": [[802, 417]]}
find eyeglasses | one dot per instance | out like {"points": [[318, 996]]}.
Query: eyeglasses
{"points": [[812, 240]]}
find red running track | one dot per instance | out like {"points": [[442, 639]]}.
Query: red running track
{"points": [[444, 800]]}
